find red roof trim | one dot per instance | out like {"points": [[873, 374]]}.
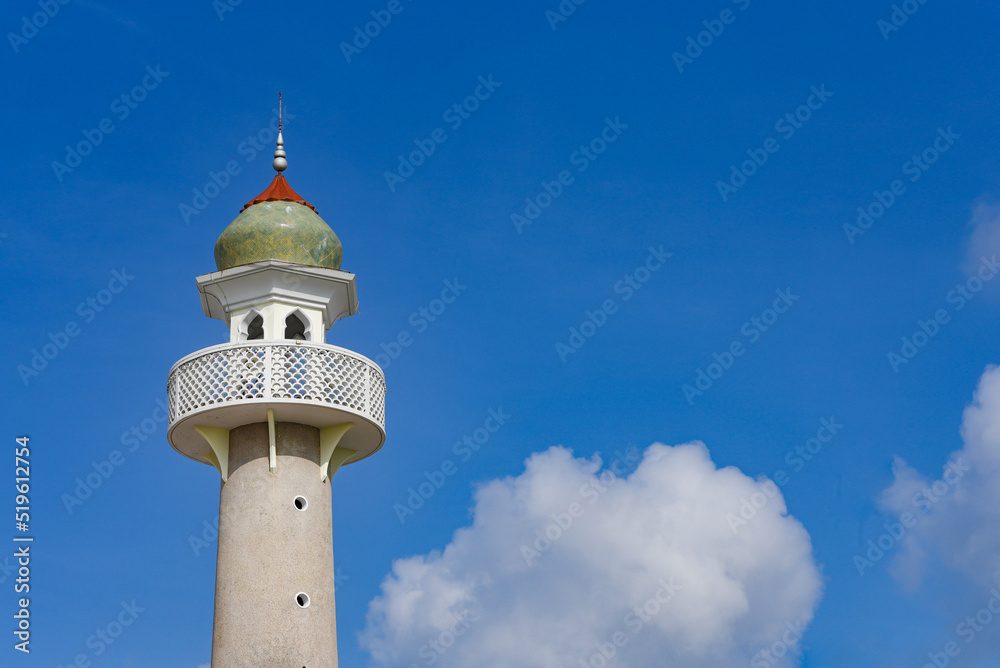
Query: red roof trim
{"points": [[278, 191]]}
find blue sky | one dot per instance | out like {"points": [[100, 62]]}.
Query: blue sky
{"points": [[211, 78]]}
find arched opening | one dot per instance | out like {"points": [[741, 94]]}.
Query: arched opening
{"points": [[295, 326], [252, 327], [255, 330]]}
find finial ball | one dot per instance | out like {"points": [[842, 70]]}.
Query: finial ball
{"points": [[279, 164]]}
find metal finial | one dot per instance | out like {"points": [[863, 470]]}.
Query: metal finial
{"points": [[279, 164]]}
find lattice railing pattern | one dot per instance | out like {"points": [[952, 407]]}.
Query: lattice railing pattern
{"points": [[261, 371]]}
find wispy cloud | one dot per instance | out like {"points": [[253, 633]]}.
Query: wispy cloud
{"points": [[956, 518], [984, 240]]}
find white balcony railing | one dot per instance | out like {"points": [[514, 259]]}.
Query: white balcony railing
{"points": [[276, 371]]}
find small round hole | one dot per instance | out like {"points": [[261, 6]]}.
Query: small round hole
{"points": [[302, 599], [301, 503]]}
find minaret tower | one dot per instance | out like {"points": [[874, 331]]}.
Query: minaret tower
{"points": [[277, 411]]}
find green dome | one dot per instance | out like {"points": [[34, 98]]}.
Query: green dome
{"points": [[278, 230]]}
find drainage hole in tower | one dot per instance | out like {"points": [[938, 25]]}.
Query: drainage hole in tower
{"points": [[302, 599], [301, 503]]}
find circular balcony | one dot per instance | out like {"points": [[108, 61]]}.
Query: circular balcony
{"points": [[234, 384]]}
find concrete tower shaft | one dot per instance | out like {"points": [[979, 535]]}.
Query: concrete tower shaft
{"points": [[274, 596]]}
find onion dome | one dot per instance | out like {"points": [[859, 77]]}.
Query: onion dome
{"points": [[278, 224]]}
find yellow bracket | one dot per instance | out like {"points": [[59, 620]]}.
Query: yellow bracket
{"points": [[218, 440], [331, 457], [272, 453], [340, 456]]}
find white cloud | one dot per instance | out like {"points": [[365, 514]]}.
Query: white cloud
{"points": [[985, 238], [658, 538], [957, 517]]}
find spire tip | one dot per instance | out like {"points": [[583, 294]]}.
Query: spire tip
{"points": [[280, 163]]}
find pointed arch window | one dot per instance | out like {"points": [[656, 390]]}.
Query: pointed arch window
{"points": [[296, 327], [252, 327]]}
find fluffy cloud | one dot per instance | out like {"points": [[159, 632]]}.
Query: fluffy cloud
{"points": [[956, 517], [569, 560]]}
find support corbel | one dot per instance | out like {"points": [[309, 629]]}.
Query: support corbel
{"points": [[331, 457], [218, 440]]}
